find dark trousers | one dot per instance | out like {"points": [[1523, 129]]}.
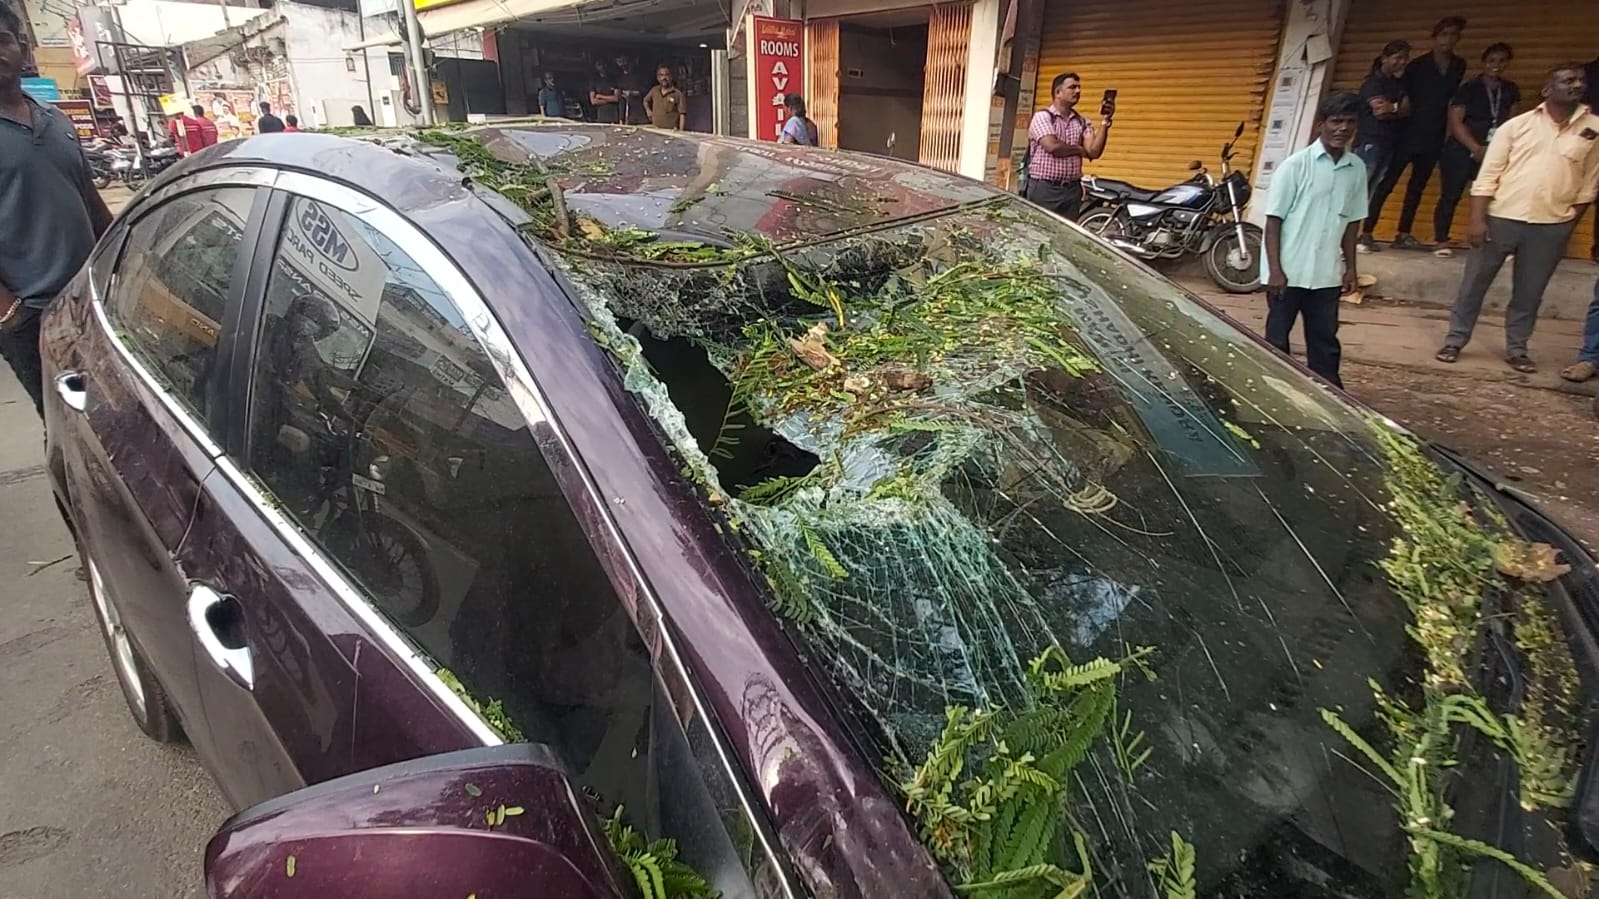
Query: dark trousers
{"points": [[1065, 199], [21, 349], [1457, 170], [1319, 308], [1538, 249], [1420, 163]]}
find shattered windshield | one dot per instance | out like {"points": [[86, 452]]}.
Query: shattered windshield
{"points": [[1120, 599]]}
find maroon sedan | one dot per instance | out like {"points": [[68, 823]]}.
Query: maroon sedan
{"points": [[554, 511]]}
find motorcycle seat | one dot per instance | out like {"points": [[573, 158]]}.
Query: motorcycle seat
{"points": [[1124, 189]]}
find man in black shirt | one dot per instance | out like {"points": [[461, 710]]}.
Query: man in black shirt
{"points": [[602, 95], [631, 86], [1383, 105], [268, 123], [1480, 106], [1430, 82]]}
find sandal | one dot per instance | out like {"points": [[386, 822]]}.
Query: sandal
{"points": [[1450, 354], [1444, 252], [1580, 372], [1522, 364]]}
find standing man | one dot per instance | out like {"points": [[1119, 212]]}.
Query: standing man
{"points": [[1430, 82], [630, 90], [50, 213], [188, 135], [1386, 105], [268, 123], [1480, 106], [1591, 75], [208, 128], [665, 103], [603, 96], [1058, 140], [1538, 179], [1318, 200], [551, 103]]}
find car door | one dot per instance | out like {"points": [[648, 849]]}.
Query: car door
{"points": [[317, 588], [133, 405]]}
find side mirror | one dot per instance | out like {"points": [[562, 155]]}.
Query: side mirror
{"points": [[503, 821], [1239, 132], [1195, 166]]}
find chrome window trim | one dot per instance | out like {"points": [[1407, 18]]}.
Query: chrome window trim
{"points": [[534, 406]]}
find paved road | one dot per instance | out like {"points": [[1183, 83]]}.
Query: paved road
{"points": [[89, 807]]}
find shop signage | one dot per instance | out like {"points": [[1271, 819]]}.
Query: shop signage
{"points": [[94, 34], [45, 90], [779, 61], [81, 112]]}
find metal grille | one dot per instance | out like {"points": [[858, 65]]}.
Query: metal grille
{"points": [[821, 78], [949, 32]]}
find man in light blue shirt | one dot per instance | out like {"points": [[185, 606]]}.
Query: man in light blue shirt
{"points": [[1318, 200]]}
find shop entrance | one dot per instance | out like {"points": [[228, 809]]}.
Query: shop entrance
{"points": [[882, 62]]}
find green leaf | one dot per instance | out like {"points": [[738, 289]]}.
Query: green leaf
{"points": [[288, 867]]}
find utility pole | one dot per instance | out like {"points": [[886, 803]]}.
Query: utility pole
{"points": [[419, 66]]}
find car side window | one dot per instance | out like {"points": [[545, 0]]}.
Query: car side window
{"points": [[176, 269], [385, 433]]}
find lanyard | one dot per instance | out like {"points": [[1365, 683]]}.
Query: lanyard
{"points": [[1494, 93]]}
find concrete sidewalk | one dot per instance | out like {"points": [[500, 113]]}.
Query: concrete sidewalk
{"points": [[1425, 280], [1383, 333]]}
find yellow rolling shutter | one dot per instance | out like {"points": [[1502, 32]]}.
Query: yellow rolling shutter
{"points": [[1186, 74], [1542, 33]]}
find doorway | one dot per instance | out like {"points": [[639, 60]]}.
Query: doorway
{"points": [[882, 62]]}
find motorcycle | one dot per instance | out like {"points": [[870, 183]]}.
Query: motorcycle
{"points": [[1201, 216], [99, 167], [130, 167]]}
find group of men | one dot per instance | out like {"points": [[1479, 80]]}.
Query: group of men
{"points": [[622, 97], [1532, 177], [193, 131]]}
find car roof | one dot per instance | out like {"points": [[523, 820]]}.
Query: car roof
{"points": [[684, 184]]}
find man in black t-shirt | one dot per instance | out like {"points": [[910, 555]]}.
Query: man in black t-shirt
{"points": [[1383, 104], [602, 94], [1430, 82], [268, 123], [1480, 106], [631, 86]]}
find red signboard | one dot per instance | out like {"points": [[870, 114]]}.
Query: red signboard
{"points": [[82, 115], [779, 61]]}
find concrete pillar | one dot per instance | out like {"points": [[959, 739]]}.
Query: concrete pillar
{"points": [[1303, 73], [981, 55]]}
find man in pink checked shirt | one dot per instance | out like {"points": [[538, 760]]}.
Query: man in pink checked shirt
{"points": [[1058, 140]]}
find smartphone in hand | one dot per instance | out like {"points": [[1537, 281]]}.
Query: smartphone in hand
{"points": [[1107, 104]]}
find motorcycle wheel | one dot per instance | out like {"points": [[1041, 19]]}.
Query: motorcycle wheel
{"points": [[1098, 221], [101, 180], [1224, 261], [392, 563]]}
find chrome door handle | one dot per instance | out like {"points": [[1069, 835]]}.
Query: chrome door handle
{"points": [[234, 662], [74, 390]]}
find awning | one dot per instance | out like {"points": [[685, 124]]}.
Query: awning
{"points": [[647, 19]]}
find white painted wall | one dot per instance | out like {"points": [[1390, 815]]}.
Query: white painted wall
{"points": [[981, 56], [319, 67]]}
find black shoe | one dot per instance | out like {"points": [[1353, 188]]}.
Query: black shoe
{"points": [[1365, 244], [1408, 242]]}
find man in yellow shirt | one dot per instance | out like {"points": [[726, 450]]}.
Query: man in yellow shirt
{"points": [[1538, 178]]}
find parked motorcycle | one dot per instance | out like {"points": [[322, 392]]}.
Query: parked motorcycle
{"points": [[131, 168], [1202, 216], [99, 166]]}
